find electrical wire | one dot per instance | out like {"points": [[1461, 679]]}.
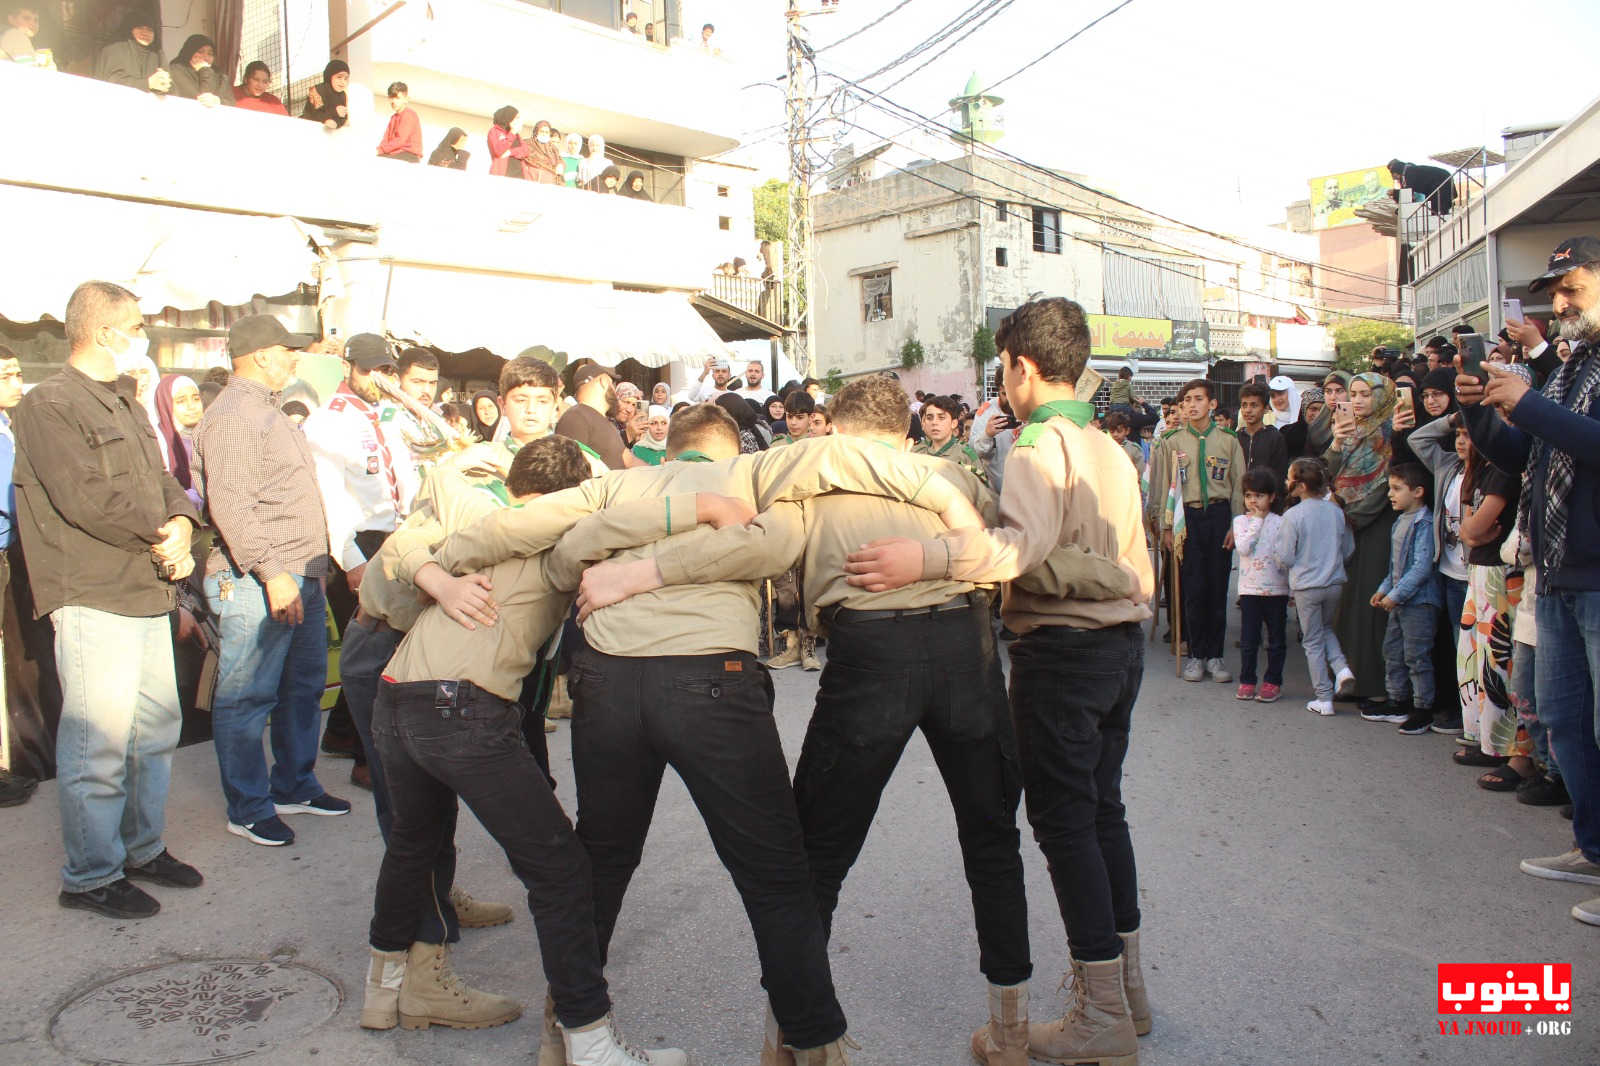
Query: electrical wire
{"points": [[863, 29], [994, 14], [1033, 63]]}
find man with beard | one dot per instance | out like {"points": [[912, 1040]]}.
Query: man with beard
{"points": [[1552, 433], [588, 421]]}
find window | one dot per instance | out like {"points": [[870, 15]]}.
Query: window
{"points": [[1000, 257], [724, 222], [1047, 230], [722, 191], [877, 296], [1000, 211]]}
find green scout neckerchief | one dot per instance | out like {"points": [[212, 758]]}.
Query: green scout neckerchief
{"points": [[1077, 412], [692, 456]]}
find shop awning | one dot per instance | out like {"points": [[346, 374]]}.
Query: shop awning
{"points": [[457, 311], [169, 256]]}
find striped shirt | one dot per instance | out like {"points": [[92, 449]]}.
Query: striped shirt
{"points": [[259, 483]]}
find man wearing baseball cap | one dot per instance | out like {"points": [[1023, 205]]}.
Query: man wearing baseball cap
{"points": [[264, 582], [587, 421], [367, 478], [1553, 434]]}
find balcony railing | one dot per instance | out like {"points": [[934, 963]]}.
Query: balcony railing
{"points": [[1431, 238], [759, 296]]}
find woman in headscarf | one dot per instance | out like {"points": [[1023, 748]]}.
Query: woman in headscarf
{"points": [[451, 152], [1359, 460], [135, 60], [652, 447], [633, 188], [1283, 407], [745, 415], [1319, 430], [485, 414], [772, 411], [544, 156], [326, 101], [178, 411], [194, 74], [506, 150], [609, 181], [1294, 434], [572, 160]]}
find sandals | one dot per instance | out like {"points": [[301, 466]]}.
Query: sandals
{"points": [[1501, 779], [1476, 757]]}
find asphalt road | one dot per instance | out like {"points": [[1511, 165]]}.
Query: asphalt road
{"points": [[1301, 878]]}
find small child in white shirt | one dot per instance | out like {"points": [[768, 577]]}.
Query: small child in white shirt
{"points": [[1263, 587]]}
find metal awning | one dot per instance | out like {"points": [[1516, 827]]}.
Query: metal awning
{"points": [[734, 323], [168, 256], [460, 310]]}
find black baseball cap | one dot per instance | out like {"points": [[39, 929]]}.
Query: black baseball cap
{"points": [[1569, 255], [255, 332], [589, 371], [368, 351]]}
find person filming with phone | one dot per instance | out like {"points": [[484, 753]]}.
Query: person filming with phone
{"points": [[1554, 433]]}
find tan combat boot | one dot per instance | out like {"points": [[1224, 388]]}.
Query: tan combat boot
{"points": [[552, 1049], [808, 651], [1004, 1041], [827, 1055], [475, 913], [599, 1044], [1096, 1030], [1133, 983], [560, 700], [381, 1008], [773, 1053], [790, 655], [432, 994]]}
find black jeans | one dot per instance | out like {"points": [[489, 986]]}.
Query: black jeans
{"points": [[441, 739], [342, 603], [884, 680], [1254, 612], [1205, 568], [1072, 694], [710, 718]]}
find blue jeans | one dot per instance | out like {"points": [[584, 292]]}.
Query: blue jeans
{"points": [[1569, 672], [1408, 654], [1273, 612], [267, 670], [1524, 676], [119, 727]]}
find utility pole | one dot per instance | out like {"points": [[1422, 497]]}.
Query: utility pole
{"points": [[797, 266]]}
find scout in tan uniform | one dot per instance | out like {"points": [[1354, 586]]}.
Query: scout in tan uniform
{"points": [[940, 416], [918, 657], [1211, 471], [447, 723], [1075, 668], [671, 678]]}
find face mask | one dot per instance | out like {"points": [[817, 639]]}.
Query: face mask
{"points": [[543, 138], [125, 360], [203, 65]]}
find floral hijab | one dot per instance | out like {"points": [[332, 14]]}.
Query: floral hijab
{"points": [[1363, 481]]}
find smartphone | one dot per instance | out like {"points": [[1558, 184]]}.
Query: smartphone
{"points": [[1403, 399], [1474, 348], [1510, 309]]}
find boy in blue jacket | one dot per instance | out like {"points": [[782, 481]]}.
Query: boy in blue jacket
{"points": [[1410, 593]]}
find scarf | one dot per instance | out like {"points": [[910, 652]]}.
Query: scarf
{"points": [[1582, 372], [484, 430], [627, 189], [446, 155], [173, 440], [332, 99], [1362, 483], [1285, 385], [1319, 431]]}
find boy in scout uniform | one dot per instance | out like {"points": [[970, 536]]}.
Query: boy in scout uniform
{"points": [[692, 648], [1210, 466], [447, 724], [1075, 671], [940, 416]]}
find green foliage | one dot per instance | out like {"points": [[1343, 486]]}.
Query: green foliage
{"points": [[911, 354], [833, 381], [772, 210], [983, 353], [1354, 340]]}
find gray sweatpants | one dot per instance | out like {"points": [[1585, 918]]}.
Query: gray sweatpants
{"points": [[1318, 609]]}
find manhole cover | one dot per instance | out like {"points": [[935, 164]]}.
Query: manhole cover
{"points": [[185, 1013]]}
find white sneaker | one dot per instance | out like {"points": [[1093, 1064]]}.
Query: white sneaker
{"points": [[599, 1044], [1568, 866], [1194, 670], [1587, 912], [1218, 671], [1344, 685], [1322, 707]]}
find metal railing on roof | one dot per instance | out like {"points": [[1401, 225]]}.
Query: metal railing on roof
{"points": [[1466, 221]]}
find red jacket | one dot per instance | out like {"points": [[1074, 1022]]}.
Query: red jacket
{"points": [[505, 146], [266, 102], [403, 134]]}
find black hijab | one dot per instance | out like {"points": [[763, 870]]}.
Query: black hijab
{"points": [[505, 116], [627, 189], [332, 99], [599, 184], [446, 154], [190, 47], [484, 430]]}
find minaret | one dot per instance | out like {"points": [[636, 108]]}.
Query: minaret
{"points": [[978, 115]]}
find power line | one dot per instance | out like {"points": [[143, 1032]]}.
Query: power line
{"points": [[1057, 48], [863, 29], [995, 13], [938, 37]]}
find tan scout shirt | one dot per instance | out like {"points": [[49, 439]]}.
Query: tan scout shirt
{"points": [[719, 615], [1069, 493], [823, 531], [533, 596], [1211, 466]]}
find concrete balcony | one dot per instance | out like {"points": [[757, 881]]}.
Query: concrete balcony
{"points": [[474, 56]]}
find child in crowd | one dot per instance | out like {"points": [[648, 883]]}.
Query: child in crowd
{"points": [[1315, 542], [1120, 426], [1122, 390], [821, 421], [1226, 419], [1263, 587], [1410, 593]]}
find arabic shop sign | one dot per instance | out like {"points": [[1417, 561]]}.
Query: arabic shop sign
{"points": [[1119, 336]]}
